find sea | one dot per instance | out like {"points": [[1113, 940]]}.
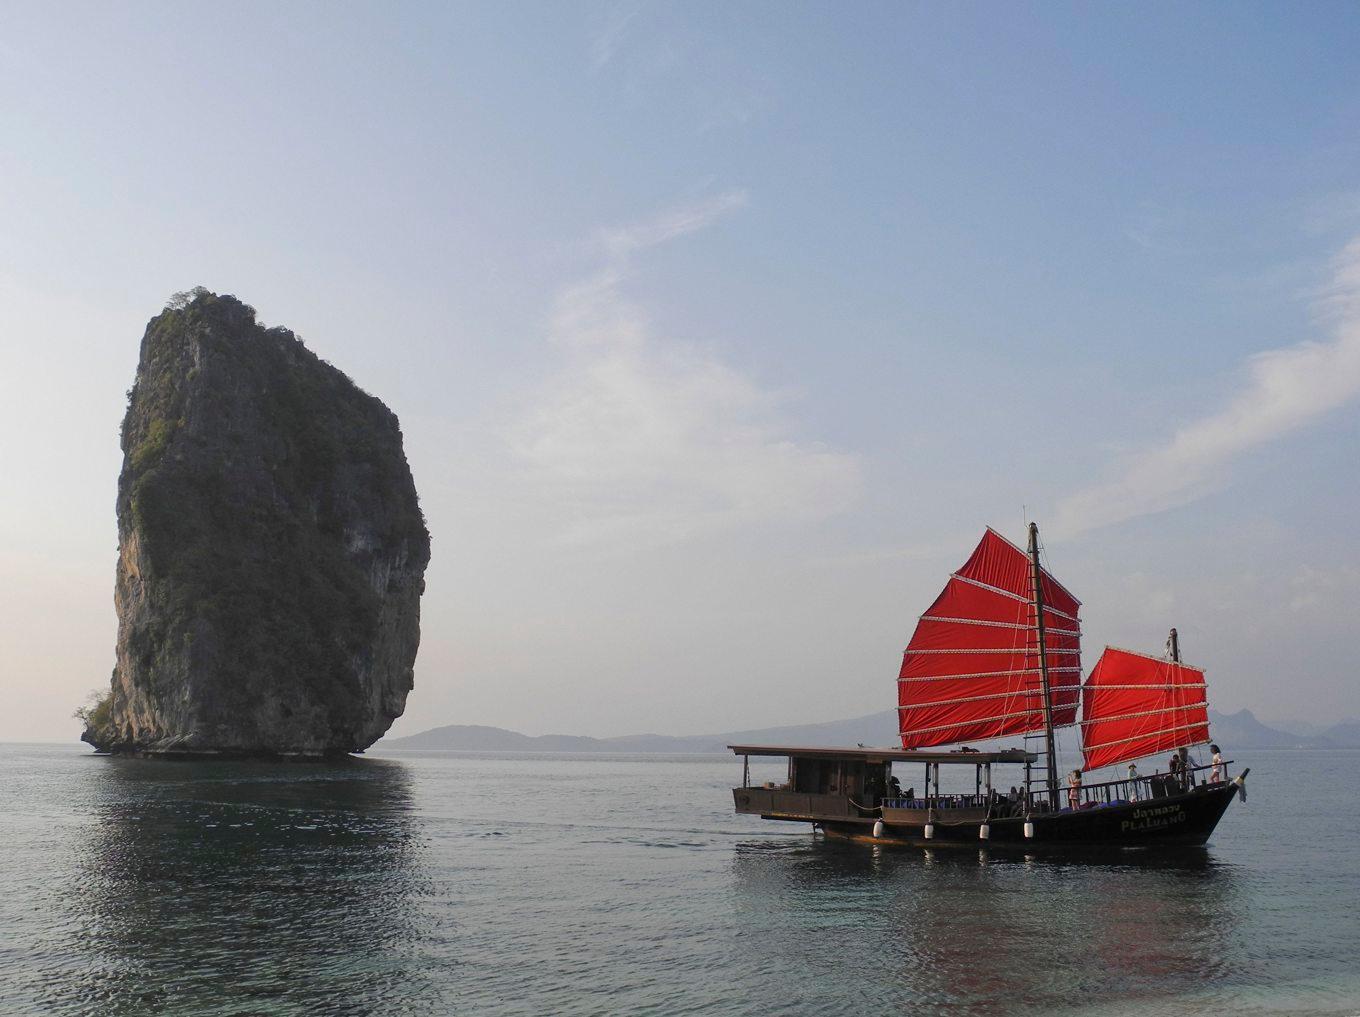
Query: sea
{"points": [[484, 883]]}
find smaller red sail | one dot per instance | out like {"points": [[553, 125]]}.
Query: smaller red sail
{"points": [[1134, 705]]}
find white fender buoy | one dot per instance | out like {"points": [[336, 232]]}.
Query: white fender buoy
{"points": [[1029, 829], [930, 831], [984, 832], [878, 828]]}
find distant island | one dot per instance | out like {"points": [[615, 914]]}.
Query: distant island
{"points": [[1240, 730]]}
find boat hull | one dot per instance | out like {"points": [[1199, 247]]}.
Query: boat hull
{"points": [[1174, 821], [1180, 820]]}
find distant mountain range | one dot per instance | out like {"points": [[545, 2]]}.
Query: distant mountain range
{"points": [[1240, 730]]}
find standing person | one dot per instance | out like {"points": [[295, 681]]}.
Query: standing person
{"points": [[1175, 767], [1216, 774], [1074, 790], [1133, 782]]}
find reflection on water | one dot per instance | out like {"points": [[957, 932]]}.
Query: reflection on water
{"points": [[954, 931], [203, 886]]}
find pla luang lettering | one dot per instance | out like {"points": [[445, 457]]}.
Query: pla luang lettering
{"points": [[1153, 819]]}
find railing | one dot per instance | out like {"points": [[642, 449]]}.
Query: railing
{"points": [[1130, 789], [997, 806], [940, 802]]}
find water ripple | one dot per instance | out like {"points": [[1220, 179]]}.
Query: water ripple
{"points": [[438, 884]]}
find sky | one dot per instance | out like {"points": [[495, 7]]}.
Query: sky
{"points": [[719, 332]]}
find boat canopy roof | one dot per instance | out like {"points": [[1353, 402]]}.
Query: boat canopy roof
{"points": [[873, 755]]}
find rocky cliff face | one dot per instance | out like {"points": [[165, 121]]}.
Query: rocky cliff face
{"points": [[271, 548]]}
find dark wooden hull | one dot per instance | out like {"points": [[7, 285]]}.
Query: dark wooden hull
{"points": [[1173, 821]]}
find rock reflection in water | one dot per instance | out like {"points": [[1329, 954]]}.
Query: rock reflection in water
{"points": [[954, 931], [234, 888]]}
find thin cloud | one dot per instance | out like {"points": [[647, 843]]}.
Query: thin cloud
{"points": [[620, 242], [642, 438], [605, 44], [594, 312], [1311, 589], [1286, 389]]}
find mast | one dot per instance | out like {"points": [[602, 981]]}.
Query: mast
{"points": [[1036, 578], [1173, 643]]}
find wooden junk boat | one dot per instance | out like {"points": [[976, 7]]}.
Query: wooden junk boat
{"points": [[999, 654]]}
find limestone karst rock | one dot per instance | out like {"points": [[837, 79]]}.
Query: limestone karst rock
{"points": [[271, 548]]}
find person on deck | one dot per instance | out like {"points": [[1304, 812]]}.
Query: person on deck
{"points": [[1175, 769], [1074, 790], [1216, 774], [1133, 782]]}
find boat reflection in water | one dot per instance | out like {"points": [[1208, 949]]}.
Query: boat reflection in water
{"points": [[208, 885], [954, 931]]}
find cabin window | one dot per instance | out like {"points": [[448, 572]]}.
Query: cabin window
{"points": [[810, 776], [820, 776], [851, 777]]}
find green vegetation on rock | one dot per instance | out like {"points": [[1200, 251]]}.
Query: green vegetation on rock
{"points": [[97, 713]]}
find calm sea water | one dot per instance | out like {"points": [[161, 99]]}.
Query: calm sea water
{"points": [[425, 883]]}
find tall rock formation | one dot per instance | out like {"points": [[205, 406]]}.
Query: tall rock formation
{"points": [[271, 548]]}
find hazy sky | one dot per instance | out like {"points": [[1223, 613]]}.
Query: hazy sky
{"points": [[719, 331]]}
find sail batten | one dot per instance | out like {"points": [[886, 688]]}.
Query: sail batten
{"points": [[1169, 685], [1024, 693], [972, 670], [986, 674], [1136, 705], [1135, 738], [998, 649], [985, 720]]}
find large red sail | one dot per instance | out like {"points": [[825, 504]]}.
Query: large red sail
{"points": [[971, 670], [1134, 705]]}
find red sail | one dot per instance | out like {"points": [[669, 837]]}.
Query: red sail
{"points": [[1135, 705], [971, 670]]}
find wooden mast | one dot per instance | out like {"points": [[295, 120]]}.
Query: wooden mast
{"points": [[1036, 579], [1174, 644]]}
